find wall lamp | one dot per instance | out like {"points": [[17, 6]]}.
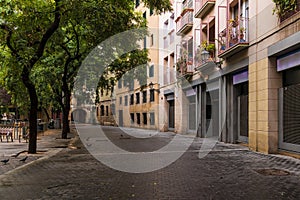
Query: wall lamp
{"points": [[205, 56], [151, 86]]}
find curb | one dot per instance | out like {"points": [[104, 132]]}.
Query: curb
{"points": [[48, 155], [50, 152]]}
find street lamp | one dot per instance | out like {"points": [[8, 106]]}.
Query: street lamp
{"points": [[205, 55], [151, 86]]}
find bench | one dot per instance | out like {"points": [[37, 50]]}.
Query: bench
{"points": [[6, 132]]}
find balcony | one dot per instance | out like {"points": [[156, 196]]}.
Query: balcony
{"points": [[202, 7], [184, 67], [184, 22], [234, 38]]}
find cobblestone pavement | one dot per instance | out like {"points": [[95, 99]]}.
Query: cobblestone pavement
{"points": [[227, 172], [48, 143]]}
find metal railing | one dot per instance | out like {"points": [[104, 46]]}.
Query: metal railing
{"points": [[187, 18], [236, 32]]}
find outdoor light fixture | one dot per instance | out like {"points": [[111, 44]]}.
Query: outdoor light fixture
{"points": [[151, 86], [205, 55]]}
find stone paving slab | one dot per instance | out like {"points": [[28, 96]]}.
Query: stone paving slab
{"points": [[227, 172], [47, 143]]}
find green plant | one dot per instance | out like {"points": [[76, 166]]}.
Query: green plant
{"points": [[234, 22], [211, 48], [181, 64], [284, 6], [208, 47], [242, 29]]}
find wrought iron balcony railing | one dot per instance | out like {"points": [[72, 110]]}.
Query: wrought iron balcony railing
{"points": [[234, 38], [185, 22]]}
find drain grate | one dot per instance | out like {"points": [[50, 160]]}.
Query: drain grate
{"points": [[272, 172], [62, 146]]}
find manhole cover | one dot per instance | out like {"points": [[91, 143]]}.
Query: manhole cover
{"points": [[273, 172]]}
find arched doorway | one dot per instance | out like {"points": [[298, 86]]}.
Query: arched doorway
{"points": [[79, 115]]}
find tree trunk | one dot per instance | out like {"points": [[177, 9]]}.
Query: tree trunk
{"points": [[66, 126], [32, 112], [33, 123], [47, 114], [66, 109]]}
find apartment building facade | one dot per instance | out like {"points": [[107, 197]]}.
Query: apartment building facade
{"points": [[136, 104], [241, 65], [220, 68]]}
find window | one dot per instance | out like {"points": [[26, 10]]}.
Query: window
{"points": [[145, 15], [151, 71], [145, 43], [151, 11], [138, 118], [132, 118], [120, 83], [131, 85], [126, 100], [145, 118], [144, 96], [102, 110], [151, 40], [152, 118], [151, 95], [120, 100], [113, 109], [165, 42], [131, 99], [137, 97], [106, 110], [172, 37]]}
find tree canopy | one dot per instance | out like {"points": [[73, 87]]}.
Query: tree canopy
{"points": [[43, 43]]}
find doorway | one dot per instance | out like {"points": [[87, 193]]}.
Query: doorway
{"points": [[242, 111], [120, 118], [171, 117]]}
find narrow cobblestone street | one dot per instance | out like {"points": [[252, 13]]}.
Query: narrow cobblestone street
{"points": [[227, 172]]}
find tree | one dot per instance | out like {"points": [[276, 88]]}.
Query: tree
{"points": [[26, 45], [26, 34]]}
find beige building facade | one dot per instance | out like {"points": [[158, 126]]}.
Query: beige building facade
{"points": [[136, 104]]}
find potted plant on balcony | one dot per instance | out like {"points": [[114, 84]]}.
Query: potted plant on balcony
{"points": [[242, 31], [233, 22], [181, 65], [210, 47], [222, 44]]}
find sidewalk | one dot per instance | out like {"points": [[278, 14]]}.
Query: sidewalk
{"points": [[48, 143]]}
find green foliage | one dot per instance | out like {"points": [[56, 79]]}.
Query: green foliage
{"points": [[284, 6], [210, 47], [159, 6]]}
